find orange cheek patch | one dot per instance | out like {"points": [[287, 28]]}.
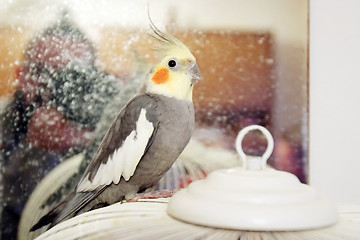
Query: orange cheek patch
{"points": [[161, 76]]}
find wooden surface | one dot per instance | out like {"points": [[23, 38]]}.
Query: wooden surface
{"points": [[12, 43], [237, 67]]}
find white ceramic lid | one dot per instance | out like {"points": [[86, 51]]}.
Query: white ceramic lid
{"points": [[252, 197]]}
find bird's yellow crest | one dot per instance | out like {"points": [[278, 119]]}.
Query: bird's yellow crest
{"points": [[176, 73]]}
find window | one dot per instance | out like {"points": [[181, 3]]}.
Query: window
{"points": [[66, 68]]}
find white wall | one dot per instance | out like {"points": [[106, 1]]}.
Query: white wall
{"points": [[335, 99]]}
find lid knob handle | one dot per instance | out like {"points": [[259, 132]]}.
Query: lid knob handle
{"points": [[254, 162]]}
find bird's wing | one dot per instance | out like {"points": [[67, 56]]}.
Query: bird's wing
{"points": [[121, 150], [123, 146]]}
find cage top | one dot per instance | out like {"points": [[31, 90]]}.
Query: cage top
{"points": [[252, 197]]}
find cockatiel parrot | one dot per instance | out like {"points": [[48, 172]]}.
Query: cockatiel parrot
{"points": [[144, 140]]}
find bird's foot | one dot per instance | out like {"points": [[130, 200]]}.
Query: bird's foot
{"points": [[152, 195]]}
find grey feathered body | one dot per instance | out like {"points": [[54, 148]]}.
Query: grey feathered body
{"points": [[173, 122]]}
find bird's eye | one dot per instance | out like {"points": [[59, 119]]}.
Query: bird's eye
{"points": [[172, 63]]}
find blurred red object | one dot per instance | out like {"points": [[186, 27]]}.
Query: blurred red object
{"points": [[54, 50], [51, 131]]}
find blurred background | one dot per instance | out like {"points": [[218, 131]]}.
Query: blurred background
{"points": [[253, 55], [63, 61]]}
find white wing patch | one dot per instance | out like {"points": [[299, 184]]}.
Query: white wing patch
{"points": [[124, 160]]}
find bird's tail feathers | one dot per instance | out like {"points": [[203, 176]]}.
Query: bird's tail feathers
{"points": [[49, 217], [74, 203]]}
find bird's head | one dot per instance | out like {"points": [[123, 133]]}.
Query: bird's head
{"points": [[177, 72]]}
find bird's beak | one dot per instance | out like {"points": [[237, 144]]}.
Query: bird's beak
{"points": [[194, 73]]}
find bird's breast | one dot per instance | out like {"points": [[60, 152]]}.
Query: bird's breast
{"points": [[176, 124]]}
